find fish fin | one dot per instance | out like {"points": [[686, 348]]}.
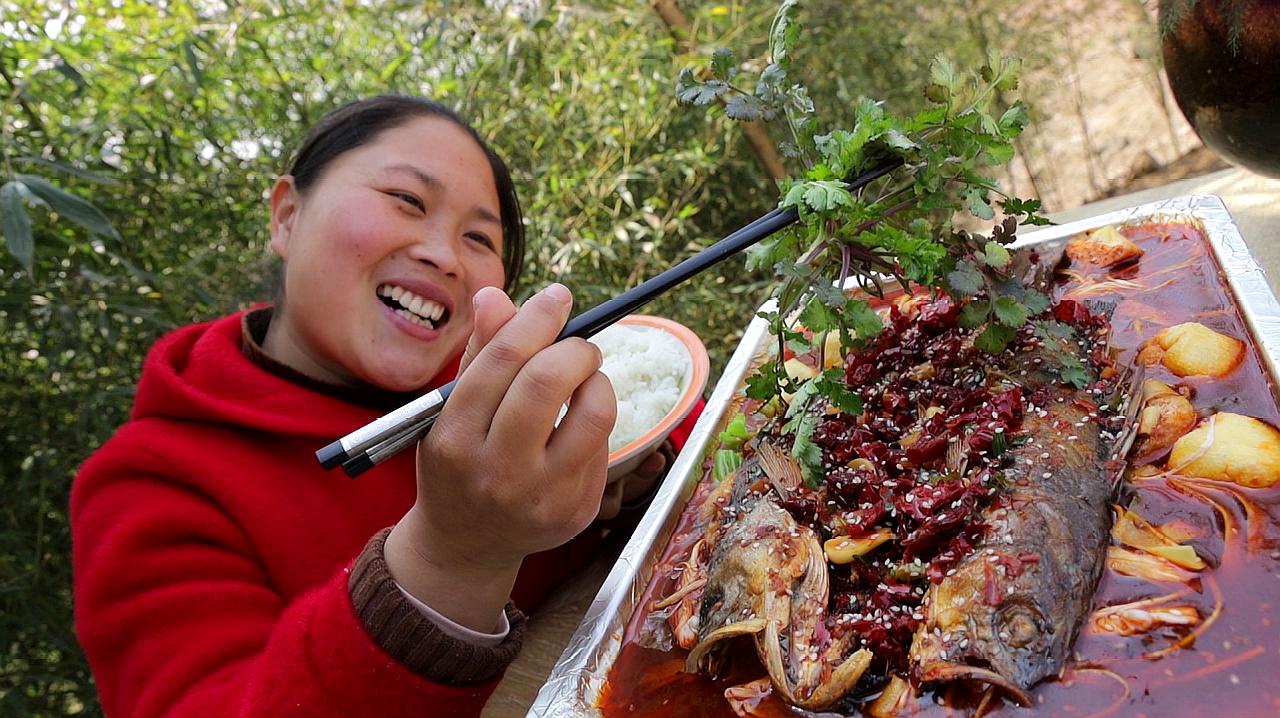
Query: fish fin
{"points": [[782, 470], [1129, 391], [748, 627], [957, 458], [844, 678], [1038, 275], [946, 672]]}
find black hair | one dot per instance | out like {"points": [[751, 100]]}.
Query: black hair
{"points": [[358, 123]]}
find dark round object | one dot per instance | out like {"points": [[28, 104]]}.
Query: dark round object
{"points": [[1223, 62]]}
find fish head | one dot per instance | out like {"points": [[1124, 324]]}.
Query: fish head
{"points": [[1007, 645], [1020, 642]]}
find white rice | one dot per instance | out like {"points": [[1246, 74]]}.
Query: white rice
{"points": [[648, 368]]}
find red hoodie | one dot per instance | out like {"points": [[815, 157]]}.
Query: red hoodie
{"points": [[211, 551]]}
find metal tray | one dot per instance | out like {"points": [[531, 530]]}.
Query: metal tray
{"points": [[575, 683]]}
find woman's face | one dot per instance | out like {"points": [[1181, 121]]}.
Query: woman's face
{"points": [[383, 254]]}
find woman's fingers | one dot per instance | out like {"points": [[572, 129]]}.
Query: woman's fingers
{"points": [[528, 412], [492, 309], [585, 428], [489, 376]]}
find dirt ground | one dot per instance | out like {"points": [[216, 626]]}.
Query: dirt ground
{"points": [[1105, 121]]}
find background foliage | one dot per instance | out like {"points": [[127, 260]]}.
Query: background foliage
{"points": [[173, 117]]}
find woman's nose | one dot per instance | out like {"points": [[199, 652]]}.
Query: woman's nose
{"points": [[441, 249]]}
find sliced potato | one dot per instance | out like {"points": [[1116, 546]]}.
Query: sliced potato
{"points": [[799, 371], [1166, 416], [843, 549], [886, 706], [832, 352], [1244, 451], [1105, 247], [1191, 348]]}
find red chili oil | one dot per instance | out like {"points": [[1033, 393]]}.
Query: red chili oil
{"points": [[1227, 670]]}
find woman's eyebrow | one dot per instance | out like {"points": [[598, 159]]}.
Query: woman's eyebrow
{"points": [[423, 177], [436, 185]]}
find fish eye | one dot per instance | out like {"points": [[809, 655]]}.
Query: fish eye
{"points": [[1021, 623]]}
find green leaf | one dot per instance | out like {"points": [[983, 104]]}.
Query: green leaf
{"points": [[864, 320], [976, 201], [818, 317], [197, 75], [966, 280], [1010, 312], [975, 313], [762, 386], [1035, 302], [994, 339], [1075, 374], [1013, 205], [747, 108], [722, 64], [1015, 118], [691, 92], [808, 453], [995, 254], [784, 32], [1051, 329], [831, 384], [70, 207], [16, 224], [943, 73], [826, 195]]}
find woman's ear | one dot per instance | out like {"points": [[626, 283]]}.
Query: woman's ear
{"points": [[285, 202]]}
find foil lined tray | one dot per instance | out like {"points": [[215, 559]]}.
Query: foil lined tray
{"points": [[575, 683]]}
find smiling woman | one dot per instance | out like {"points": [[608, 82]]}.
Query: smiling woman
{"points": [[407, 213], [219, 570]]}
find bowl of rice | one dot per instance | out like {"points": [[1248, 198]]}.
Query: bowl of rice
{"points": [[658, 369]]}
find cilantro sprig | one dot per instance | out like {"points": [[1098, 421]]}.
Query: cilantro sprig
{"points": [[901, 227]]}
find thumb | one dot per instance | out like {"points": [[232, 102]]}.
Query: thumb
{"points": [[492, 309]]}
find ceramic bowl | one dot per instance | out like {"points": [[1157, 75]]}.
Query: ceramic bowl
{"points": [[627, 458]]}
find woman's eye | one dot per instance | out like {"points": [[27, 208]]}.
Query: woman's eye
{"points": [[408, 199], [482, 239]]}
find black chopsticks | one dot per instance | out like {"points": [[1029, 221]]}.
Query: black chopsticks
{"points": [[386, 436]]}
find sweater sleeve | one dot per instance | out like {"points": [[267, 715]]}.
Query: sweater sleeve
{"points": [[414, 639], [178, 617]]}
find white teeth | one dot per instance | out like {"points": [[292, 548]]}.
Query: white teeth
{"points": [[419, 310]]}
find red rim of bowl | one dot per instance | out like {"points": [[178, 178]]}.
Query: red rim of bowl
{"points": [[701, 367]]}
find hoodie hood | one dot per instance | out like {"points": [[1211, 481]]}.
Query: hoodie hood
{"points": [[202, 373]]}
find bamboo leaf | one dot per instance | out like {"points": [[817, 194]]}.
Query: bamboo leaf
{"points": [[17, 225], [67, 205]]}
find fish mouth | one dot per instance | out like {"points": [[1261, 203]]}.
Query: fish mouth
{"points": [[413, 307], [946, 672]]}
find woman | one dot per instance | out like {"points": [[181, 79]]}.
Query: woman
{"points": [[220, 571]]}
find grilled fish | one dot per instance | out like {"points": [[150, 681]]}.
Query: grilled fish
{"points": [[766, 577], [1008, 614]]}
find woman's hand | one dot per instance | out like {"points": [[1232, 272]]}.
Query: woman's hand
{"points": [[497, 479], [634, 485]]}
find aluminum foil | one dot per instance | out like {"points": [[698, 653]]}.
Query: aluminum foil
{"points": [[575, 683]]}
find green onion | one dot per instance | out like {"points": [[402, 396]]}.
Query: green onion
{"points": [[735, 434], [727, 461]]}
